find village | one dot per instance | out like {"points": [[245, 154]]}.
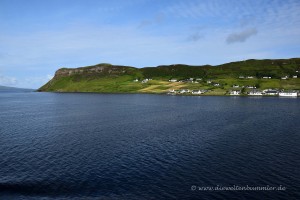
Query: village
{"points": [[266, 92], [234, 90]]}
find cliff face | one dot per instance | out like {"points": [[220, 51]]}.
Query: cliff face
{"points": [[101, 69], [66, 76]]}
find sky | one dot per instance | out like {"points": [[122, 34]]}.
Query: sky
{"points": [[37, 37]]}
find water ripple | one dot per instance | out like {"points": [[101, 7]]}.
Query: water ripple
{"points": [[91, 146]]}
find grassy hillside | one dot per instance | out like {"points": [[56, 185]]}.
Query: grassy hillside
{"points": [[106, 78]]}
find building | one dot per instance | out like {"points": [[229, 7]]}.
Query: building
{"points": [[284, 77], [295, 76], [235, 86], [196, 92], [255, 93], [136, 80], [172, 92], [270, 92], [184, 91], [190, 80], [173, 80], [146, 80], [288, 94], [251, 87], [235, 92], [267, 77]]}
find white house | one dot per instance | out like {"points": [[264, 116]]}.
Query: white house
{"points": [[241, 77], [267, 77], [250, 77], [196, 92], [284, 78], [217, 84], [250, 87], [184, 91], [288, 94], [270, 92], [255, 93], [235, 86], [136, 80], [295, 76], [208, 81], [145, 80], [235, 92]]}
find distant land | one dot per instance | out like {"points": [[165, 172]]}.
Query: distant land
{"points": [[14, 89], [242, 76]]}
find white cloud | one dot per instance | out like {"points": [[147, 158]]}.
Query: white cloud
{"points": [[39, 53], [7, 81], [34, 82], [268, 14]]}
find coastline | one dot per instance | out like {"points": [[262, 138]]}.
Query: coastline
{"points": [[151, 93]]}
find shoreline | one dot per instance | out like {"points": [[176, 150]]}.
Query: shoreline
{"points": [[201, 95]]}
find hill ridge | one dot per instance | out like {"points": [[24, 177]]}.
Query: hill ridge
{"points": [[110, 78]]}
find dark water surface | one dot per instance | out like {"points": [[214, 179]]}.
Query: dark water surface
{"points": [[96, 146]]}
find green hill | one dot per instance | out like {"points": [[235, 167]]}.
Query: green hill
{"points": [[107, 78]]}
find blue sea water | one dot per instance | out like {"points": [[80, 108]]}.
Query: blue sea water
{"points": [[134, 146]]}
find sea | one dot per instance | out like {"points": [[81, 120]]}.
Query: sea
{"points": [[143, 146]]}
